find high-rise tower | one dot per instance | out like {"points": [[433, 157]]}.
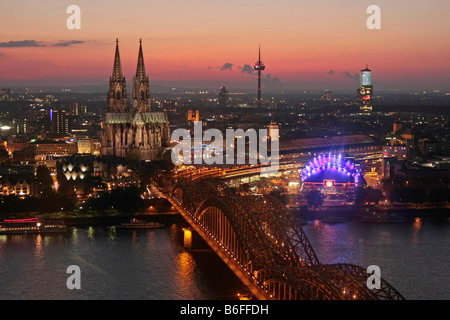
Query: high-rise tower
{"points": [[364, 92], [60, 123], [223, 97], [259, 66]]}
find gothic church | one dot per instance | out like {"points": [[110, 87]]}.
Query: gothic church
{"points": [[135, 131]]}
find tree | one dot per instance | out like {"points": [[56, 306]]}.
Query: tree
{"points": [[4, 156], [359, 195], [56, 202], [44, 179], [395, 195], [437, 195], [124, 200], [281, 196], [407, 195], [148, 172], [133, 156], [373, 195], [315, 198], [10, 204], [419, 196], [392, 187], [369, 194]]}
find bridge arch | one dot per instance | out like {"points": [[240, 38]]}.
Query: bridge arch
{"points": [[218, 216], [352, 279], [252, 224], [220, 223], [300, 283], [181, 194], [279, 226], [240, 229]]}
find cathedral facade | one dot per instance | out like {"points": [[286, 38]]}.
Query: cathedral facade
{"points": [[132, 131]]}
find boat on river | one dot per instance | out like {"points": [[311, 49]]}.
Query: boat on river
{"points": [[140, 224], [31, 226], [382, 217]]}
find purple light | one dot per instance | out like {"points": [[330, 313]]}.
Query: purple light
{"points": [[335, 163]]}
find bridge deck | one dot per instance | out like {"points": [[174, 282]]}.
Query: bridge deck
{"points": [[259, 240]]}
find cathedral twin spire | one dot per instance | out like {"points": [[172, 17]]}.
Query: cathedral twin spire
{"points": [[117, 70], [117, 97], [140, 70], [141, 101]]}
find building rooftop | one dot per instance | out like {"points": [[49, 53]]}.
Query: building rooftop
{"points": [[48, 141], [309, 144]]}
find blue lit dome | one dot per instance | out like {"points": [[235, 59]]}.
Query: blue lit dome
{"points": [[331, 167]]}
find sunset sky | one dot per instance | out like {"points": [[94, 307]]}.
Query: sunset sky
{"points": [[306, 44]]}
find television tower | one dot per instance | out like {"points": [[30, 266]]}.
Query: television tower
{"points": [[259, 66]]}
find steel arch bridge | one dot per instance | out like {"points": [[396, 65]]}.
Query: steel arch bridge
{"points": [[261, 242]]}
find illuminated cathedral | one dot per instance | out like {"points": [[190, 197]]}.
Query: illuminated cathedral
{"points": [[132, 132]]}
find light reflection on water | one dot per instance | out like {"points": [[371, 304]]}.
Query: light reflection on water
{"points": [[413, 256], [416, 226], [152, 264], [114, 264]]}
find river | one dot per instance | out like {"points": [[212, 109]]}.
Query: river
{"points": [[413, 256]]}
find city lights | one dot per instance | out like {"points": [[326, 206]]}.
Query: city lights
{"points": [[148, 153]]}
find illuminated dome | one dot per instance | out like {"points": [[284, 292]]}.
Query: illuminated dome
{"points": [[331, 167]]}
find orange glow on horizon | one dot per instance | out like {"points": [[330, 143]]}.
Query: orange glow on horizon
{"points": [[302, 44]]}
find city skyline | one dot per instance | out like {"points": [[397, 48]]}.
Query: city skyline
{"points": [[306, 46], [204, 150]]}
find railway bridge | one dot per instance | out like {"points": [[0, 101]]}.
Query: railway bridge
{"points": [[260, 241]]}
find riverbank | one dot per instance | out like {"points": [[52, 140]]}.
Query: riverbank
{"points": [[115, 220], [352, 212], [113, 217], [73, 219]]}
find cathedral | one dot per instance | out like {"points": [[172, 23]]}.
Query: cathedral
{"points": [[132, 132]]}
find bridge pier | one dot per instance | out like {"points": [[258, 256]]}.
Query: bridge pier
{"points": [[192, 240], [187, 238]]}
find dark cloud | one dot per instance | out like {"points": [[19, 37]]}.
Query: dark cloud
{"points": [[226, 66], [22, 43], [268, 82], [35, 43], [271, 83], [247, 69], [330, 72], [347, 74], [67, 43]]}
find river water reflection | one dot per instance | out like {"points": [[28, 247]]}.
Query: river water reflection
{"points": [[414, 257]]}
